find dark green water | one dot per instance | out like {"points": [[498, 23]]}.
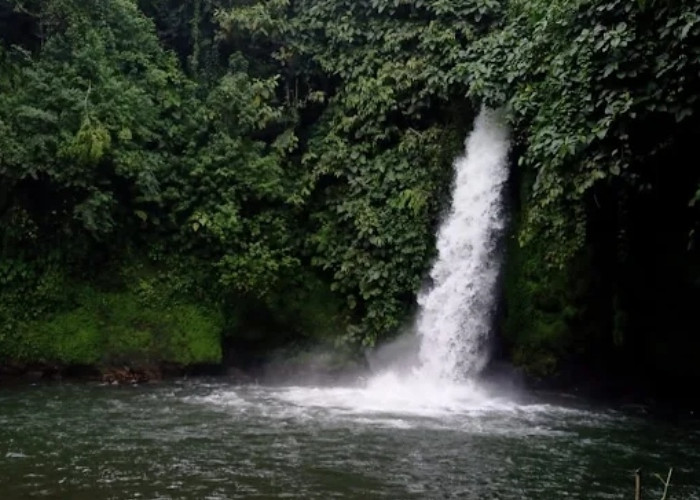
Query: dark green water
{"points": [[198, 439]]}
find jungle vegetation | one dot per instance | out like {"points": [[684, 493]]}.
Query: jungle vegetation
{"points": [[178, 175]]}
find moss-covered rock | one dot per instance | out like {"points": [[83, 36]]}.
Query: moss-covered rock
{"points": [[138, 321], [111, 328]]}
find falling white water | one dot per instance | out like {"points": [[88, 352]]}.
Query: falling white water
{"points": [[456, 311]]}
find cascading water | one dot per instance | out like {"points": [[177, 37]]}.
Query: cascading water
{"points": [[456, 311], [435, 379]]}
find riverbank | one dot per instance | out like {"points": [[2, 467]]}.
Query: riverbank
{"points": [[320, 366], [17, 373]]}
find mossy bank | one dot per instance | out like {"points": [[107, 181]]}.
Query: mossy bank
{"points": [[129, 317]]}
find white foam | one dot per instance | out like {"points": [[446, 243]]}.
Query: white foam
{"points": [[390, 393]]}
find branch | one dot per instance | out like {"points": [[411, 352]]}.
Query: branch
{"points": [[666, 483]]}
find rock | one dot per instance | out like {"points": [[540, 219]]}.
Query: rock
{"points": [[129, 375]]}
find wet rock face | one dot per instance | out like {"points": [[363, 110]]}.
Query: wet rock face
{"points": [[128, 375], [29, 371]]}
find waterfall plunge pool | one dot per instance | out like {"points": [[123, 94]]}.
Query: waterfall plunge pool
{"points": [[388, 439]]}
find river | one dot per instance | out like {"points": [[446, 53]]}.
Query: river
{"points": [[210, 439]]}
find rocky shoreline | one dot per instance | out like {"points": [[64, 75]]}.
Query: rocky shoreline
{"points": [[115, 375]]}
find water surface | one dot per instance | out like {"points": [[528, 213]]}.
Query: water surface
{"points": [[210, 439]]}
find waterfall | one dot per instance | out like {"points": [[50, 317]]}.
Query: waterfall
{"points": [[456, 311], [432, 373]]}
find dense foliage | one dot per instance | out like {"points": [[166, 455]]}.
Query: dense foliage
{"points": [[584, 80], [603, 96], [274, 170]]}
